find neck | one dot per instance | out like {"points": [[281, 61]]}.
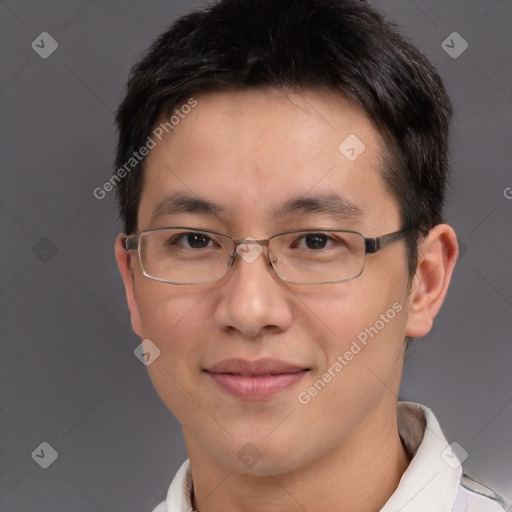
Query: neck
{"points": [[359, 475]]}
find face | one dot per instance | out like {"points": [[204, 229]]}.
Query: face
{"points": [[250, 152]]}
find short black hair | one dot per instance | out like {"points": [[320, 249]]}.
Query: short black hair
{"points": [[344, 46]]}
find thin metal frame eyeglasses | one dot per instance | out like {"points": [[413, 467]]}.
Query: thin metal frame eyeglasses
{"points": [[371, 246]]}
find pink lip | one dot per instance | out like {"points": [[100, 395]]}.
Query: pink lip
{"points": [[255, 380]]}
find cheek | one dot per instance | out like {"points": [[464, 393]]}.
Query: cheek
{"points": [[361, 330], [176, 322], [163, 308], [343, 310]]}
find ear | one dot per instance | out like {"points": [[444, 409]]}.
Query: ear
{"points": [[437, 254], [124, 262]]}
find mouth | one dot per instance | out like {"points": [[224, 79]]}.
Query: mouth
{"points": [[255, 380]]}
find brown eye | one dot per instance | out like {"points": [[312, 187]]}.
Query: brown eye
{"points": [[191, 240], [316, 241], [313, 241]]}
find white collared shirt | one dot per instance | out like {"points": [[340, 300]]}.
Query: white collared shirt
{"points": [[433, 481]]}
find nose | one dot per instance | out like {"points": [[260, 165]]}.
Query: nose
{"points": [[252, 300]]}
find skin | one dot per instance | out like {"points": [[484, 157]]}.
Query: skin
{"points": [[250, 151]]}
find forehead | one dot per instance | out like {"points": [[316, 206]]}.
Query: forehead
{"points": [[251, 152]]}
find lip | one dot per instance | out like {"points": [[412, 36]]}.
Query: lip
{"points": [[255, 380]]}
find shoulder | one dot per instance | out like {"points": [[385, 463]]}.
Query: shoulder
{"points": [[473, 496]]}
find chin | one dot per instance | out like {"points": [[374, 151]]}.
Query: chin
{"points": [[262, 458]]}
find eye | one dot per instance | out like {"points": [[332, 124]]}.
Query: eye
{"points": [[191, 240], [314, 241]]}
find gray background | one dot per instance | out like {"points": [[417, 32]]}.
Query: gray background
{"points": [[68, 373]]}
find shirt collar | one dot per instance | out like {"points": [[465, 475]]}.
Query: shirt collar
{"points": [[431, 480], [429, 483], [180, 491]]}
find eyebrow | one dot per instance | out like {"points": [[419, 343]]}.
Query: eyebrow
{"points": [[331, 204], [182, 203]]}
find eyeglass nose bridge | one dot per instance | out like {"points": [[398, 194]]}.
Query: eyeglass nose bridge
{"points": [[271, 258]]}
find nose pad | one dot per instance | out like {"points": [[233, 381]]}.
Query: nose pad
{"points": [[270, 258], [249, 250]]}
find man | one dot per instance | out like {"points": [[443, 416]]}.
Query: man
{"points": [[281, 176]]}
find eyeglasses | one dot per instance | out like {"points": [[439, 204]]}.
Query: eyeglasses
{"points": [[185, 255]]}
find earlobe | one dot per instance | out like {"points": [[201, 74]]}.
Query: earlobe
{"points": [[123, 258], [437, 254]]}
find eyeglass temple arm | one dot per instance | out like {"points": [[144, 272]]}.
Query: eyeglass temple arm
{"points": [[373, 245], [131, 242]]}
